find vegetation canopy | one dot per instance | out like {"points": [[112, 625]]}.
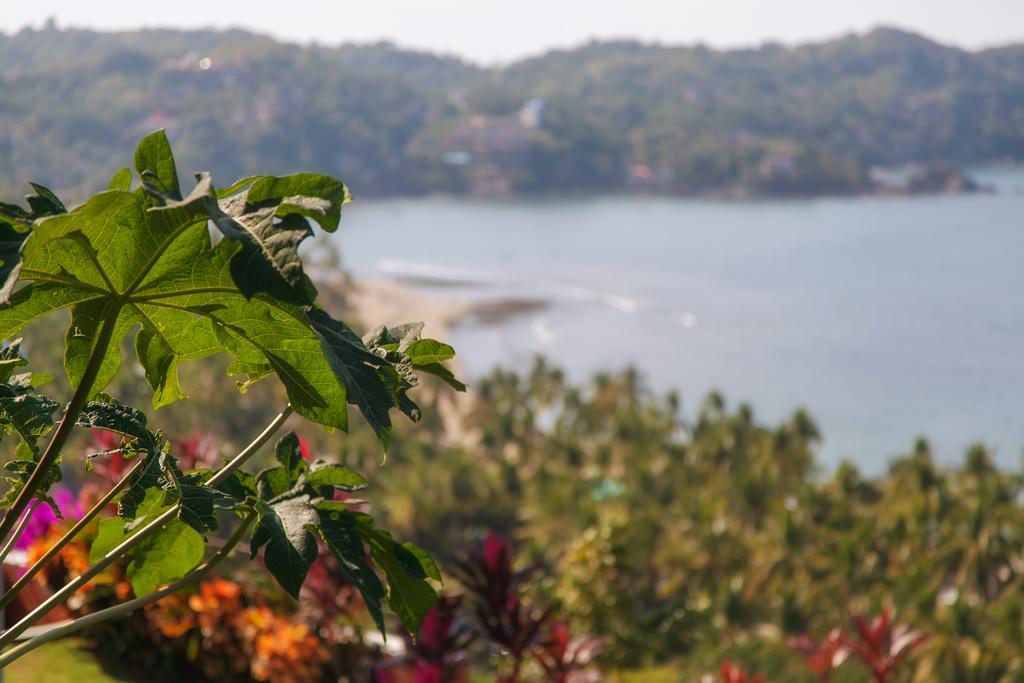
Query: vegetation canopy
{"points": [[191, 275]]}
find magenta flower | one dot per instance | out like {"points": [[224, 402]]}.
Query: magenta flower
{"points": [[43, 517]]}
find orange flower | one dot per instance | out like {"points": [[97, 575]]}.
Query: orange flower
{"points": [[283, 650]]}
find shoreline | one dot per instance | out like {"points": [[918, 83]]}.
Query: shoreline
{"points": [[397, 300]]}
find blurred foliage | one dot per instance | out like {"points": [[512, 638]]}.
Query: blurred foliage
{"points": [[687, 541], [770, 120], [684, 540]]}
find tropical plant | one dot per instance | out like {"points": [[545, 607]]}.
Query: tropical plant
{"points": [[146, 260], [881, 647], [734, 673], [824, 656]]}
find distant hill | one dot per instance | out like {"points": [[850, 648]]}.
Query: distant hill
{"points": [[605, 117]]}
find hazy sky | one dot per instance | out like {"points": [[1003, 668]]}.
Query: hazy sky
{"points": [[491, 30]]}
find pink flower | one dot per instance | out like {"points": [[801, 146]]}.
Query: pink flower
{"points": [[43, 517]]}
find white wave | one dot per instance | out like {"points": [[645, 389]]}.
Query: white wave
{"points": [[542, 332], [619, 302], [435, 271]]}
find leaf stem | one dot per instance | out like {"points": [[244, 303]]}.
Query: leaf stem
{"points": [[17, 532], [117, 610], [64, 593], [67, 423], [67, 537]]}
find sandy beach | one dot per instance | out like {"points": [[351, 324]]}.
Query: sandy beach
{"points": [[380, 301]]}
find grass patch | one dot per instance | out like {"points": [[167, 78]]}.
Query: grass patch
{"points": [[70, 661]]}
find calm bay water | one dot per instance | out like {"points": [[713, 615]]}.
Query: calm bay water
{"points": [[886, 317]]}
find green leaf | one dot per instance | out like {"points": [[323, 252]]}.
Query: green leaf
{"points": [[406, 353], [410, 595], [268, 219], [113, 531], [438, 370], [268, 260], [273, 482], [428, 352], [10, 358], [199, 504], [426, 562], [150, 477], [81, 339], [165, 556], [239, 485], [12, 213], [338, 532], [145, 260], [121, 419], [122, 180], [289, 453], [15, 227], [314, 196], [110, 534], [44, 202], [284, 528], [154, 163], [16, 474], [38, 300], [11, 239], [329, 474], [358, 369], [30, 415]]}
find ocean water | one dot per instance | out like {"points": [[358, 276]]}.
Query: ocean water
{"points": [[887, 317]]}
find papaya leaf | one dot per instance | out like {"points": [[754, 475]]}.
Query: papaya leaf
{"points": [[165, 556], [269, 219], [410, 594], [17, 472], [113, 530], [289, 453], [15, 226], [424, 352], [149, 477], [44, 202], [442, 372], [11, 240], [10, 358], [30, 415], [274, 482], [154, 163], [338, 532], [336, 476], [143, 262], [284, 528], [121, 419], [199, 504], [122, 180], [239, 485], [358, 369], [109, 534]]}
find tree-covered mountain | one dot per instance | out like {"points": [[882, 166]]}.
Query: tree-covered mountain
{"points": [[608, 116]]}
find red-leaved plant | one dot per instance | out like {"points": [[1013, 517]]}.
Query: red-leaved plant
{"points": [[516, 628], [734, 673], [824, 656], [565, 657], [881, 647]]}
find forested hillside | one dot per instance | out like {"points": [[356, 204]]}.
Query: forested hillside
{"points": [[620, 116]]}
